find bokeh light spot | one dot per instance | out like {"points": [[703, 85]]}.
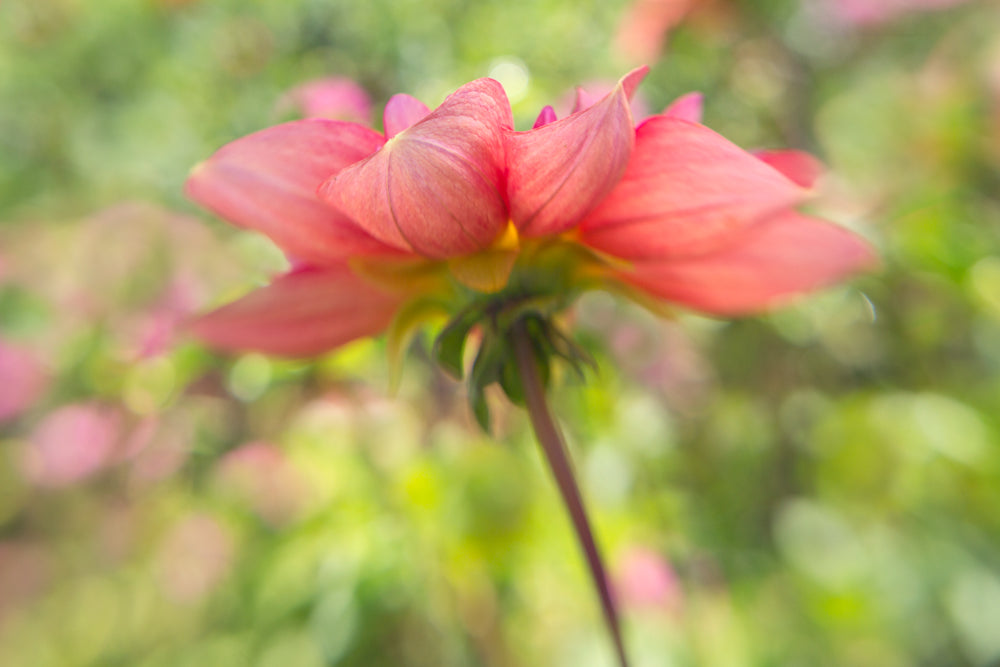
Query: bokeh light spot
{"points": [[250, 377], [513, 75]]}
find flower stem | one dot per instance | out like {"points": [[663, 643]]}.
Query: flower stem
{"points": [[551, 441]]}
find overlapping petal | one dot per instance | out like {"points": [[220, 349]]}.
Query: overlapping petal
{"points": [[267, 182], [561, 170], [775, 261], [402, 111], [584, 99], [302, 313], [686, 191], [436, 188]]}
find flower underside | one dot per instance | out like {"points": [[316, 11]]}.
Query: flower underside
{"points": [[453, 217], [452, 209], [514, 284]]}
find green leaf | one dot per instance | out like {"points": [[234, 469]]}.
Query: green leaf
{"points": [[537, 329]]}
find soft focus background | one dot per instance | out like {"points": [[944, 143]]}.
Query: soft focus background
{"points": [[820, 486]]}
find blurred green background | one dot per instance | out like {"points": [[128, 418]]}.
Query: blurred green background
{"points": [[820, 486]]}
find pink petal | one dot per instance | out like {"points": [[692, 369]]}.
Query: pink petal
{"points": [[584, 100], [300, 314], [402, 111], [799, 167], [548, 115], [267, 182], [686, 191], [435, 189], [560, 171], [335, 98], [773, 262], [687, 107], [585, 96]]}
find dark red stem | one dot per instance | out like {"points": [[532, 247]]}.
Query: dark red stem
{"points": [[551, 441]]}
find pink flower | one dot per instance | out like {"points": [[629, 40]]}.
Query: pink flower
{"points": [[455, 205], [875, 12], [646, 580], [646, 23], [157, 268], [22, 380], [335, 98], [71, 444]]}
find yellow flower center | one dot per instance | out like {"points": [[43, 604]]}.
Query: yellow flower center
{"points": [[488, 270]]}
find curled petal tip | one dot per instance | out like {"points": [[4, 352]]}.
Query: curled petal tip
{"points": [[687, 107], [547, 115], [631, 81]]}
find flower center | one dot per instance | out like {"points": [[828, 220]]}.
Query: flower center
{"points": [[488, 270]]}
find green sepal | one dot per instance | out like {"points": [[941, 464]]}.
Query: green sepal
{"points": [[510, 376], [496, 360], [549, 341], [485, 371], [480, 410], [449, 346], [510, 382], [404, 327]]}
